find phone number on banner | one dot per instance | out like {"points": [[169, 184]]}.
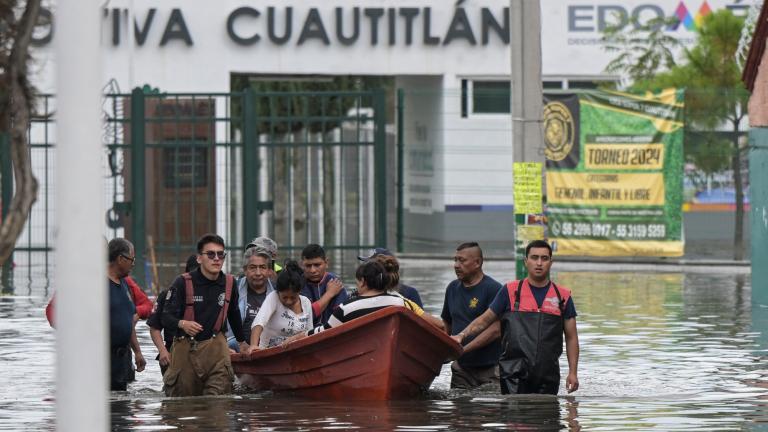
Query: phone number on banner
{"points": [[609, 230]]}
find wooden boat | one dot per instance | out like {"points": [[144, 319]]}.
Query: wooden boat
{"points": [[389, 354]]}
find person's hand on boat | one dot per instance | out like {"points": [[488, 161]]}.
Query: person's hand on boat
{"points": [[458, 338], [164, 357], [244, 347], [296, 337], [252, 349], [191, 328], [334, 286], [140, 362], [572, 383]]}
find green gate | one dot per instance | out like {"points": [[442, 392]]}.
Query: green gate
{"points": [[299, 167]]}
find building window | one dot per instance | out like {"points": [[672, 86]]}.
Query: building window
{"points": [[552, 85], [583, 85], [490, 97], [186, 166]]}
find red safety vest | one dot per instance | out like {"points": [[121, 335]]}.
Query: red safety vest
{"points": [[189, 310], [554, 303]]}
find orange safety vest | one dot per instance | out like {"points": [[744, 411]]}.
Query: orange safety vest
{"points": [[554, 302]]}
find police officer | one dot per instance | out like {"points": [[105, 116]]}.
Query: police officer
{"points": [[199, 304]]}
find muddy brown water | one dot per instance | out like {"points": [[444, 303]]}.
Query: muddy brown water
{"points": [[660, 350]]}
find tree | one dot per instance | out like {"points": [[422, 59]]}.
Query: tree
{"points": [[642, 49], [715, 98], [17, 21]]}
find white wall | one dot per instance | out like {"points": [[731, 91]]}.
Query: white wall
{"points": [[478, 152], [424, 144]]}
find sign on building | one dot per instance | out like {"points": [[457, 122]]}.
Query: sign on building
{"points": [[614, 173]]}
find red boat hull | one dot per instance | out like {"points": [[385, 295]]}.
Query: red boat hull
{"points": [[389, 354]]}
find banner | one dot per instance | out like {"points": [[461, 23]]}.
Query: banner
{"points": [[614, 173]]}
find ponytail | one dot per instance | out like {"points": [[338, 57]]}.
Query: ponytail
{"points": [[290, 278], [374, 275]]}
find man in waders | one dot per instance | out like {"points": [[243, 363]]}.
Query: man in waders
{"points": [[535, 313], [199, 304]]}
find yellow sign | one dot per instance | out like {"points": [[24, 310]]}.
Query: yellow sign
{"points": [[624, 156], [615, 189], [606, 248], [529, 233], [527, 187], [559, 131]]}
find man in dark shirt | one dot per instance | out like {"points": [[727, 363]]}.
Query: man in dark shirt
{"points": [[535, 314], [121, 257], [163, 337], [323, 288], [466, 298], [200, 363]]}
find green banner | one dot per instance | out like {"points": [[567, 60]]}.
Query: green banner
{"points": [[615, 173]]}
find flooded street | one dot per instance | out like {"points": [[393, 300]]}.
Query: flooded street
{"points": [[659, 351]]}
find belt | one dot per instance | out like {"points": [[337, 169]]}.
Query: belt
{"points": [[194, 338]]}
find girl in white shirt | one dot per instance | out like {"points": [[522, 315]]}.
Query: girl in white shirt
{"points": [[284, 312]]}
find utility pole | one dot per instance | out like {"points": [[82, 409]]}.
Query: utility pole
{"points": [[526, 107], [82, 338]]}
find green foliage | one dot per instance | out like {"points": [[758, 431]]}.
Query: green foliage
{"points": [[641, 49], [715, 95]]}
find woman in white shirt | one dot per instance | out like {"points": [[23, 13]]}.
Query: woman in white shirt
{"points": [[284, 312]]}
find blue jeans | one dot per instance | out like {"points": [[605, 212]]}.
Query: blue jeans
{"points": [[233, 344]]}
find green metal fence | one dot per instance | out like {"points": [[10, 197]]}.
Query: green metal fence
{"points": [[298, 167]]}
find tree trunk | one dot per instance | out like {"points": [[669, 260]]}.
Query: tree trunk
{"points": [[14, 114], [738, 231]]}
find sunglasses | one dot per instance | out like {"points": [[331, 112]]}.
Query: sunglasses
{"points": [[215, 254]]}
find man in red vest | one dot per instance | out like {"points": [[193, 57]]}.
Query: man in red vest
{"points": [[198, 305], [535, 314]]}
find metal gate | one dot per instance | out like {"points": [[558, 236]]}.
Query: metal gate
{"points": [[299, 167]]}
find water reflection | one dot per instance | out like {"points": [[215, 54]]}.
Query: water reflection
{"points": [[659, 351]]}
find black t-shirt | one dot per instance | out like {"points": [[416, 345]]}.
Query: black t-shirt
{"points": [[462, 305], [252, 307], [155, 319], [208, 301]]}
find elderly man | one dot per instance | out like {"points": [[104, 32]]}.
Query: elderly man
{"points": [[270, 246], [122, 333], [252, 289]]}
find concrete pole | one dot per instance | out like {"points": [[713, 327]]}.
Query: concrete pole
{"points": [[526, 93], [525, 58], [82, 389]]}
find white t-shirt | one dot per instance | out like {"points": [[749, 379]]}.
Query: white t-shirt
{"points": [[279, 322]]}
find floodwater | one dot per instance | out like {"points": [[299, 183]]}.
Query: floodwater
{"points": [[660, 350]]}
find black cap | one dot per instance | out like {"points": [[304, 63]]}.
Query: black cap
{"points": [[373, 252]]}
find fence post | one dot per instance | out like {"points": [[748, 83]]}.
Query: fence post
{"points": [[138, 184], [400, 167], [380, 166], [6, 195], [251, 167]]}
